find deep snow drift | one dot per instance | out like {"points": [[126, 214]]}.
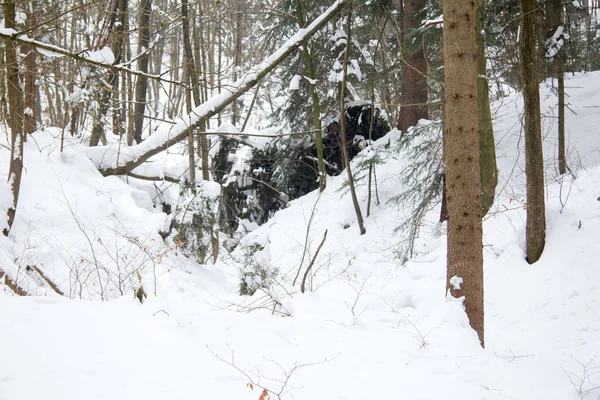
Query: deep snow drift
{"points": [[367, 327]]}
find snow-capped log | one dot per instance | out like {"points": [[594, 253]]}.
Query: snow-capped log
{"points": [[112, 160]]}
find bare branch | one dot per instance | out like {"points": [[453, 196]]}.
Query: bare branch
{"points": [[22, 39], [302, 286]]}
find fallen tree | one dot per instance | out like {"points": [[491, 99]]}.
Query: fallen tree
{"points": [[116, 160]]}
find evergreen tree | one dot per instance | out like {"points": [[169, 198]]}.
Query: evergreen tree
{"points": [[461, 158]]}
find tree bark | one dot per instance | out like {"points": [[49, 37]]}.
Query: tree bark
{"points": [[414, 68], [316, 105], [199, 50], [15, 107], [487, 145], [562, 154], [141, 84], [192, 77], [534, 158], [555, 17], [30, 87], [237, 56], [344, 127], [116, 33], [461, 158]]}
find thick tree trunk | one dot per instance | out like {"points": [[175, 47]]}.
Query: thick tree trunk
{"points": [[461, 158], [141, 84], [414, 68], [534, 158], [15, 107], [487, 145]]}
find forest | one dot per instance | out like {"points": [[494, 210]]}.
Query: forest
{"points": [[299, 199]]}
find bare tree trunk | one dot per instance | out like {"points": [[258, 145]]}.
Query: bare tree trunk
{"points": [[237, 57], [534, 158], [461, 158], [414, 67], [3, 106], [344, 127], [562, 155], [316, 105], [555, 19], [487, 145], [141, 84], [192, 77], [211, 36], [15, 106], [172, 106], [202, 94], [219, 57], [30, 88], [116, 33]]}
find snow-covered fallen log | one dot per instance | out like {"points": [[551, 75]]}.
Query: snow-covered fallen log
{"points": [[112, 160]]}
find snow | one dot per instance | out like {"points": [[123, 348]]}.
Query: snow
{"points": [[295, 83], [438, 21], [456, 281], [556, 42], [104, 56], [367, 327]]}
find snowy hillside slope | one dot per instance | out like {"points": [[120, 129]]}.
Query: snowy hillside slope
{"points": [[368, 327]]}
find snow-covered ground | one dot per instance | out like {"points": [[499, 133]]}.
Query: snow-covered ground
{"points": [[367, 327]]}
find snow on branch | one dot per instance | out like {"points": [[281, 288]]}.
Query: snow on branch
{"points": [[110, 161], [103, 57]]}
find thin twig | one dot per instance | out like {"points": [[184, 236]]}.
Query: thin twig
{"points": [[302, 286]]}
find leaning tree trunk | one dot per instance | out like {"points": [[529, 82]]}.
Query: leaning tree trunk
{"points": [[141, 84], [413, 99], [15, 107], [487, 146], [461, 158], [534, 158]]}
